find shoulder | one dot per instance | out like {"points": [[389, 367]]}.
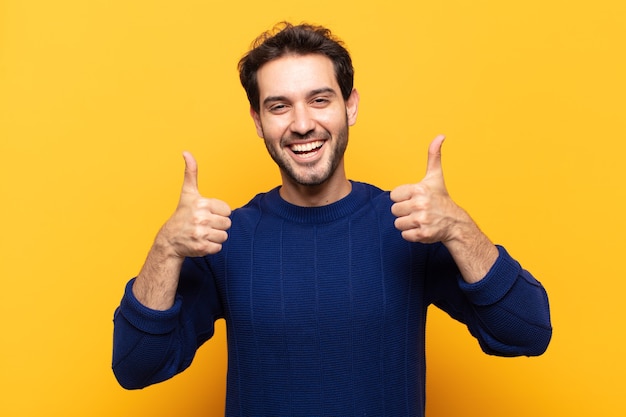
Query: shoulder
{"points": [[253, 208], [378, 197]]}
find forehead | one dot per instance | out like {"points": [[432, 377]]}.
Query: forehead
{"points": [[292, 75]]}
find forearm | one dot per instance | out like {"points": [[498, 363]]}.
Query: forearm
{"points": [[152, 345], [149, 346], [510, 313], [472, 251], [155, 286]]}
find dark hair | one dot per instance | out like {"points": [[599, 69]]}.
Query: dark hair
{"points": [[303, 39]]}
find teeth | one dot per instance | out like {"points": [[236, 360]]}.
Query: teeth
{"points": [[307, 147]]}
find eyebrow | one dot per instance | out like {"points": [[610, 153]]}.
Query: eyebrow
{"points": [[323, 90]]}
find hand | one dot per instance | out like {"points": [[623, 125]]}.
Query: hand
{"points": [[198, 226], [425, 212]]}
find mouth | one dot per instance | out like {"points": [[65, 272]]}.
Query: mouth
{"points": [[307, 150]]}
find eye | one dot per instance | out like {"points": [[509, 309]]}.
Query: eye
{"points": [[320, 101], [278, 108]]}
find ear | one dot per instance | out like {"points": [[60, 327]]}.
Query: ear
{"points": [[352, 107], [257, 122]]}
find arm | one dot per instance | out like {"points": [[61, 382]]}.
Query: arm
{"points": [[157, 326], [426, 213], [197, 228], [505, 302], [150, 346], [507, 311]]}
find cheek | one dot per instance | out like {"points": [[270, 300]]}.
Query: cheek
{"points": [[272, 128], [332, 122]]}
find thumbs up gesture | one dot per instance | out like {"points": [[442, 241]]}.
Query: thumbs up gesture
{"points": [[425, 212], [199, 225]]}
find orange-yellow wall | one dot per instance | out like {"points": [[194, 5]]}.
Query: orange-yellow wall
{"points": [[99, 98]]}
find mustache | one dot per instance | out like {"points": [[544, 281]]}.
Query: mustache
{"points": [[293, 136]]}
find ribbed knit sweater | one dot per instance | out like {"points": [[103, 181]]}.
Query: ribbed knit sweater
{"points": [[325, 310]]}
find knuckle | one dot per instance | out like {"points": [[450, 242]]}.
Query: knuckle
{"points": [[196, 236], [420, 189], [200, 203], [197, 219]]}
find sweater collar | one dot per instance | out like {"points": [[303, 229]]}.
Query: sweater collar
{"points": [[357, 198]]}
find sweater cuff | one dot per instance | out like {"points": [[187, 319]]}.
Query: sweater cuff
{"points": [[498, 281], [146, 319]]}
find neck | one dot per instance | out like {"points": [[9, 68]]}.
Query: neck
{"points": [[330, 191]]}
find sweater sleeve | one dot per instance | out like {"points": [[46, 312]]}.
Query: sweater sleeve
{"points": [[150, 346], [507, 311]]}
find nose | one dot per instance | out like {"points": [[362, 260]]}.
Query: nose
{"points": [[303, 121]]}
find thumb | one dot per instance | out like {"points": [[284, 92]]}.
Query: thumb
{"points": [[190, 182], [433, 167]]}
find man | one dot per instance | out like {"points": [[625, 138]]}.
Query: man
{"points": [[323, 282]]}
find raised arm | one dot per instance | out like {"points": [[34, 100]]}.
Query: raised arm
{"points": [[169, 309], [502, 304], [426, 213], [197, 228]]}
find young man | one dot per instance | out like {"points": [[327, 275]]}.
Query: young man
{"points": [[323, 282]]}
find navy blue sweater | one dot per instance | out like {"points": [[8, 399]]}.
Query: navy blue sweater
{"points": [[325, 310]]}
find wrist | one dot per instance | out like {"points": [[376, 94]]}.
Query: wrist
{"points": [[156, 284], [471, 249], [163, 246], [463, 229]]}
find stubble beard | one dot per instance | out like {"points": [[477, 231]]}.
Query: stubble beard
{"points": [[307, 175]]}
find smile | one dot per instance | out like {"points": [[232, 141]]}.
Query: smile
{"points": [[306, 148]]}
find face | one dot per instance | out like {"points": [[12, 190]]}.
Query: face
{"points": [[304, 119]]}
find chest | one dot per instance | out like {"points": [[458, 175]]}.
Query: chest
{"points": [[331, 279]]}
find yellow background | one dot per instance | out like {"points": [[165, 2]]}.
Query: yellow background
{"points": [[99, 98]]}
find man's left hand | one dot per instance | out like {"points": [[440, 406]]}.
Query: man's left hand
{"points": [[425, 211]]}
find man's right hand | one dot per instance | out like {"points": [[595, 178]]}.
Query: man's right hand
{"points": [[198, 226]]}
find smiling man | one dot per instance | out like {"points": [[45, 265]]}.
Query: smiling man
{"points": [[304, 121], [323, 282]]}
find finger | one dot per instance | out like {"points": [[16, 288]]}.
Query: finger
{"points": [[433, 166], [222, 223], [212, 248], [402, 208], [190, 182], [405, 224], [401, 193], [213, 206], [217, 236], [220, 208], [217, 221], [408, 191]]}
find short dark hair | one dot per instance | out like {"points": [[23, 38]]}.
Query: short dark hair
{"points": [[303, 39]]}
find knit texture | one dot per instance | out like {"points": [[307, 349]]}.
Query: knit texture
{"points": [[325, 310]]}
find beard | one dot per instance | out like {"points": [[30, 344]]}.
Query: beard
{"points": [[315, 173]]}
